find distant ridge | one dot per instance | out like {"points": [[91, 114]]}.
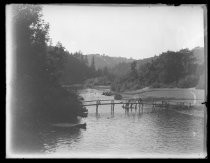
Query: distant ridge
{"points": [[120, 66], [102, 61]]}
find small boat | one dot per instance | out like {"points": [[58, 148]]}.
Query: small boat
{"points": [[82, 125], [118, 97], [69, 125], [83, 114]]}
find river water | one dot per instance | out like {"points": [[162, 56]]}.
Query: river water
{"points": [[163, 133]]}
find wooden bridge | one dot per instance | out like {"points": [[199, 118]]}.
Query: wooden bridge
{"points": [[128, 104], [138, 104]]}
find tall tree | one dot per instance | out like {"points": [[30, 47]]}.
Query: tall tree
{"points": [[133, 69], [93, 64], [86, 60], [37, 94]]}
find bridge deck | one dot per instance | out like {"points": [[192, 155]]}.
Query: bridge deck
{"points": [[124, 103]]}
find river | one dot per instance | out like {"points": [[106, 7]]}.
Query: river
{"points": [[163, 133]]}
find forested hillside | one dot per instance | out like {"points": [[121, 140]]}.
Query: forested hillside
{"points": [[123, 68], [184, 69], [76, 69], [102, 61]]}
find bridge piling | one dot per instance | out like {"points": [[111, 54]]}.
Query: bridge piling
{"points": [[139, 109], [112, 106], [97, 104], [135, 107], [96, 108], [153, 105]]}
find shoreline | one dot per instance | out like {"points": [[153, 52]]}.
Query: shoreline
{"points": [[189, 95]]}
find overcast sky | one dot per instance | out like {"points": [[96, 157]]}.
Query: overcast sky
{"points": [[137, 32]]}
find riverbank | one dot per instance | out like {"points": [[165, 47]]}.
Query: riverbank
{"points": [[191, 95]]}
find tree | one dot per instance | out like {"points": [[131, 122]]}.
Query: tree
{"points": [[94, 71], [169, 69], [93, 64], [105, 71], [86, 60], [30, 38], [133, 69], [38, 94]]}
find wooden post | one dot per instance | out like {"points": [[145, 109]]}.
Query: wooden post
{"points": [[96, 108], [139, 106], [112, 106], [135, 107], [131, 107], [142, 107], [139, 102], [97, 103]]}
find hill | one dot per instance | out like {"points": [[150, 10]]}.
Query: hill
{"points": [[102, 61], [183, 69], [124, 68]]}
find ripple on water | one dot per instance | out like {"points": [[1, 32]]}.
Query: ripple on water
{"points": [[161, 132]]}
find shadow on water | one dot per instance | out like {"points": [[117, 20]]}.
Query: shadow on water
{"points": [[97, 115], [42, 138], [61, 137]]}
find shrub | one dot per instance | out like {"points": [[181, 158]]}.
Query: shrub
{"points": [[188, 82]]}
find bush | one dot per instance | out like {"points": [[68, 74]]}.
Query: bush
{"points": [[188, 82], [157, 85], [201, 83]]}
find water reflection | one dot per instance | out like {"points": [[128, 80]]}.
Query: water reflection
{"points": [[44, 139], [124, 131], [112, 113], [97, 115], [61, 137], [26, 140]]}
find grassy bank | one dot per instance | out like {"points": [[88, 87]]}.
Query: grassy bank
{"points": [[188, 95]]}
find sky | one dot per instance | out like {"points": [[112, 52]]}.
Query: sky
{"points": [[128, 31]]}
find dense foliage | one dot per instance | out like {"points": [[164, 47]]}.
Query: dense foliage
{"points": [[102, 61], [37, 93], [170, 69]]}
